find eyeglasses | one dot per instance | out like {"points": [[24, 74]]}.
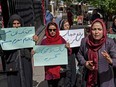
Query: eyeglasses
{"points": [[52, 30]]}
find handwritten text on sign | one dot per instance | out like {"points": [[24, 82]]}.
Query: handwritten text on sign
{"points": [[46, 55], [73, 36], [15, 38]]}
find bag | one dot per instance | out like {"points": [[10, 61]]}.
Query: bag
{"points": [[13, 66]]}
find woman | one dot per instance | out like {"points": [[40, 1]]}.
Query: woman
{"points": [[98, 54], [18, 62], [71, 74], [64, 24], [76, 70], [70, 15], [113, 28], [52, 73], [113, 31]]}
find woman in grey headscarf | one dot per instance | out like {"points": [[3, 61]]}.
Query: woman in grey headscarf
{"points": [[18, 62]]}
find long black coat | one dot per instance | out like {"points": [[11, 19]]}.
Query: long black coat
{"points": [[18, 68], [18, 64]]}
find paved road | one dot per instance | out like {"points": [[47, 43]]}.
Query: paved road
{"points": [[38, 76]]}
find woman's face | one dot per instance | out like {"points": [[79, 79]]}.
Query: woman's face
{"points": [[16, 24], [66, 26], [97, 31], [52, 30]]}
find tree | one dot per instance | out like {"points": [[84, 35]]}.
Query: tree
{"points": [[68, 2], [108, 6]]}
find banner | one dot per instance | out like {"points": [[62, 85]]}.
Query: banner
{"points": [[73, 36], [46, 55], [111, 35], [16, 38]]}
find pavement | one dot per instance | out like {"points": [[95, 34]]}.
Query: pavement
{"points": [[38, 76]]}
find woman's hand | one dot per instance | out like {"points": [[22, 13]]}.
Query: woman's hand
{"points": [[89, 65], [107, 56], [67, 45], [35, 38], [32, 52]]}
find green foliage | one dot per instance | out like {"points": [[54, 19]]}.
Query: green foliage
{"points": [[68, 2], [80, 0], [107, 5]]}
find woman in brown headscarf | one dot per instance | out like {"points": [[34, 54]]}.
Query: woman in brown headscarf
{"points": [[98, 54]]}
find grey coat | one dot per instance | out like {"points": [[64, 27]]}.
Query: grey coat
{"points": [[105, 70]]}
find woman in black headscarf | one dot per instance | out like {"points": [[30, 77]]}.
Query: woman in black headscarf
{"points": [[113, 28], [18, 62], [114, 25]]}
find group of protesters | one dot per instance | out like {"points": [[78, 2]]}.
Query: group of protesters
{"points": [[96, 54]]}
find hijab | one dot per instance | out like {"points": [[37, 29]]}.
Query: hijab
{"points": [[50, 40], [15, 17], [61, 23], [13, 53], [93, 53], [52, 72]]}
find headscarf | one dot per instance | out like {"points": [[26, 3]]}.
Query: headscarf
{"points": [[14, 53], [61, 23], [15, 17], [113, 25], [57, 39], [93, 53], [52, 72]]}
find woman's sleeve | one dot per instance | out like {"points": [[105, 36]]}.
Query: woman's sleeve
{"points": [[80, 54], [112, 51], [69, 49]]}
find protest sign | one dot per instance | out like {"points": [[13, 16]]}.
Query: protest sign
{"points": [[73, 36], [46, 55], [16, 38]]}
